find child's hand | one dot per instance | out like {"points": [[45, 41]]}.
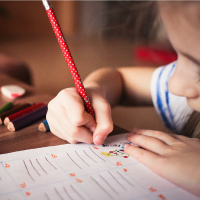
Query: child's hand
{"points": [[174, 157], [68, 119]]}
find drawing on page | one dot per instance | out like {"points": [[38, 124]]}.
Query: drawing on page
{"points": [[97, 154], [116, 152], [23, 185], [34, 167], [27, 193], [89, 156], [102, 188], [53, 156], [125, 179], [68, 195], [82, 159], [78, 180], [73, 161], [28, 171], [50, 163], [7, 165], [41, 167], [118, 182], [57, 191], [162, 197], [72, 174], [110, 186], [77, 192]]}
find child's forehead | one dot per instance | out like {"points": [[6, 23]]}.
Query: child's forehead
{"points": [[182, 23], [185, 12]]}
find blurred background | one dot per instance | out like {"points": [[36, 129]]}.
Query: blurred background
{"points": [[98, 33]]}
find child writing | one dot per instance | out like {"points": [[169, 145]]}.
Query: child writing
{"points": [[174, 90]]}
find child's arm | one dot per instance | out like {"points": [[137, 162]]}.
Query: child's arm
{"points": [[105, 87], [174, 157], [126, 85]]}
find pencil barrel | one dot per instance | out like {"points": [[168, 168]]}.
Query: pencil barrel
{"points": [[46, 125], [30, 118], [13, 110], [6, 107], [25, 111], [69, 60]]}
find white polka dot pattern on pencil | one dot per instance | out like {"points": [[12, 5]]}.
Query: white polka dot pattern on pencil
{"points": [[69, 60]]}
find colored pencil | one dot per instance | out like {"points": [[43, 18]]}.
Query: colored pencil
{"points": [[22, 113], [15, 109], [67, 55], [6, 107], [44, 126], [28, 119]]}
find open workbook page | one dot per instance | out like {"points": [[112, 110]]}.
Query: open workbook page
{"points": [[82, 172]]}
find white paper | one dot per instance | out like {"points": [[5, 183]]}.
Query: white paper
{"points": [[82, 172]]}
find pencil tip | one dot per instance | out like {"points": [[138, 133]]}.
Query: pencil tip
{"points": [[11, 127], [6, 121], [41, 127]]}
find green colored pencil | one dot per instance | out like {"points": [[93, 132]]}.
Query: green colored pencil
{"points": [[6, 107]]}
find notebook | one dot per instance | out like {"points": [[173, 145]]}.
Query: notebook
{"points": [[82, 172]]}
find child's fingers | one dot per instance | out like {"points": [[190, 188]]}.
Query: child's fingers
{"points": [[104, 122], [150, 143], [146, 157], [64, 137], [76, 134], [57, 130], [64, 126], [74, 108], [51, 121], [167, 138]]}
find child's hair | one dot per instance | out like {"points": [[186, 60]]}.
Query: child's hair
{"points": [[138, 19], [192, 127]]}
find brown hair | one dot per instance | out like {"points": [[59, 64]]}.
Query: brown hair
{"points": [[138, 20], [192, 127]]}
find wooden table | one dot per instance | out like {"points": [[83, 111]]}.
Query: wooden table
{"points": [[29, 137]]}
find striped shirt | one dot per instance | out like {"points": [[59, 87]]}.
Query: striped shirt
{"points": [[172, 109]]}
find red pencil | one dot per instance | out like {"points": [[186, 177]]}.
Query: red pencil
{"points": [[23, 112], [15, 109], [27, 119], [67, 55]]}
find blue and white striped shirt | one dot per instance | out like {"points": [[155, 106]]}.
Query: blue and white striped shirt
{"points": [[172, 109]]}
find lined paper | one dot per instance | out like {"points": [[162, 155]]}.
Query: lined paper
{"points": [[82, 172]]}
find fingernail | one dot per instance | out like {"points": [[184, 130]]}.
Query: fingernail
{"points": [[126, 146], [99, 139]]}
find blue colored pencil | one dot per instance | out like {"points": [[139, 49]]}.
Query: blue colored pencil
{"points": [[44, 126]]}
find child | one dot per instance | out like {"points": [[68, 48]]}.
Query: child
{"points": [[173, 157]]}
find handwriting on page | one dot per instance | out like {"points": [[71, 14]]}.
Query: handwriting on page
{"points": [[82, 172]]}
